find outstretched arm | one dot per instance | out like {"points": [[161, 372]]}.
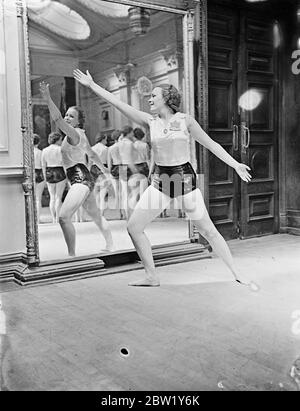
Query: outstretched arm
{"points": [[72, 135], [135, 115], [151, 164], [94, 156], [199, 135]]}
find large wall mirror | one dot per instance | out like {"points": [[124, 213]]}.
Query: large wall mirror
{"points": [[127, 49]]}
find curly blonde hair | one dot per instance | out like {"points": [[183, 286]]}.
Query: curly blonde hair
{"points": [[171, 96]]}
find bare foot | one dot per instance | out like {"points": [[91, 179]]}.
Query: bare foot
{"points": [[146, 282], [251, 284]]}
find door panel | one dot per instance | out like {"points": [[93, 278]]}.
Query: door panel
{"points": [[242, 59], [222, 93], [259, 198]]}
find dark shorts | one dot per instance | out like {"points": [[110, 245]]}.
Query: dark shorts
{"points": [[55, 174], [125, 172], [79, 174], [174, 181], [96, 172], [115, 171], [39, 176], [142, 168], [120, 171]]}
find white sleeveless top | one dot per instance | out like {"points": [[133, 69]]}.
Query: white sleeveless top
{"points": [[114, 154], [170, 144], [51, 156], [126, 150], [72, 155], [37, 158], [101, 150], [141, 152]]}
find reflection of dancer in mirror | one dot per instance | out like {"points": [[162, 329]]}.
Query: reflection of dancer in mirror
{"points": [[138, 180], [113, 163], [127, 171], [102, 183], [170, 133], [54, 172], [75, 152], [141, 159], [39, 176]]}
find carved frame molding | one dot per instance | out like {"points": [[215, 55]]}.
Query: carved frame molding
{"points": [[201, 89], [32, 246]]}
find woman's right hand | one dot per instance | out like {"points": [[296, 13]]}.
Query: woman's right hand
{"points": [[84, 79]]}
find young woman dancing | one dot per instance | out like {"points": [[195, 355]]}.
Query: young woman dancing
{"points": [[76, 152], [170, 132]]}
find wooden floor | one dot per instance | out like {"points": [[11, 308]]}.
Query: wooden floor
{"points": [[198, 331], [90, 241]]}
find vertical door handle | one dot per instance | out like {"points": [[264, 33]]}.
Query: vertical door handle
{"points": [[246, 136], [235, 137]]}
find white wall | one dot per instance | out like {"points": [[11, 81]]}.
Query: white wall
{"points": [[12, 208]]}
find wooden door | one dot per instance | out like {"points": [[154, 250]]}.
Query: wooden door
{"points": [[259, 126], [242, 73]]}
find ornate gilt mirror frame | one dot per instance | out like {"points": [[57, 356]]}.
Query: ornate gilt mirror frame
{"points": [[188, 10]]}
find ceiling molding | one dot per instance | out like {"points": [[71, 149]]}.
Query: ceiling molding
{"points": [[37, 5], [53, 37], [61, 20], [157, 20], [100, 25], [42, 41], [105, 8], [106, 32]]}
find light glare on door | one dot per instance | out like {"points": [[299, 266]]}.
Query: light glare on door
{"points": [[250, 99]]}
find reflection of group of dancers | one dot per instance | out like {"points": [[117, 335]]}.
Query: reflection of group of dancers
{"points": [[127, 161], [49, 168], [170, 133]]}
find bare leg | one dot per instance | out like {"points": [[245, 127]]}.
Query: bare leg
{"points": [[194, 206], [97, 193], [117, 196], [77, 194], [138, 183], [60, 187], [52, 194], [39, 192], [91, 208], [80, 215], [133, 193], [150, 205], [124, 196], [143, 185], [103, 191], [115, 184]]}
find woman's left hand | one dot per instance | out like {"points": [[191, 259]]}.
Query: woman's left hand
{"points": [[44, 90], [242, 170]]}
